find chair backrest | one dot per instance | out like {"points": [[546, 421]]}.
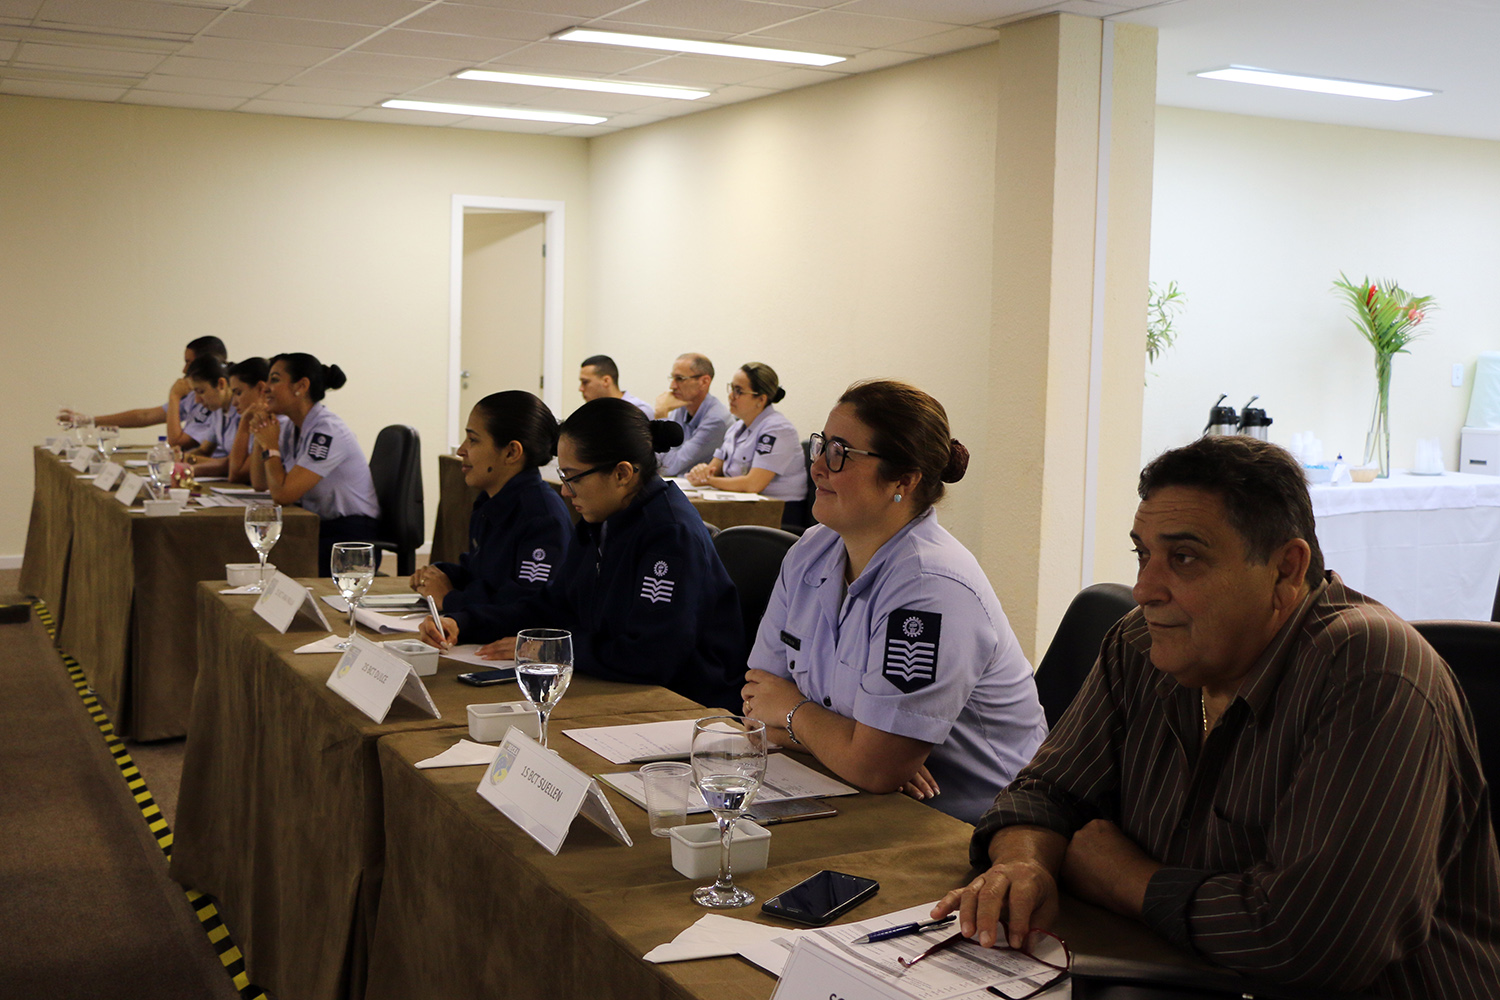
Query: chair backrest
{"points": [[1495, 612], [1075, 647], [812, 488], [752, 554], [396, 468], [1472, 652]]}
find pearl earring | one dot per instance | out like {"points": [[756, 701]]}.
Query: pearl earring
{"points": [[897, 498]]}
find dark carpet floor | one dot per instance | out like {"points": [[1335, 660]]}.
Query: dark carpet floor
{"points": [[86, 907]]}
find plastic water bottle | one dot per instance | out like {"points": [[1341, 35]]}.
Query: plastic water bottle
{"points": [[159, 461]]}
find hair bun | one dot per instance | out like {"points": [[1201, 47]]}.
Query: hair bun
{"points": [[334, 377], [665, 435], [958, 461], [780, 395]]}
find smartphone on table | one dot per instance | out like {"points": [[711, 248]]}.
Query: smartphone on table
{"points": [[484, 678], [817, 900]]}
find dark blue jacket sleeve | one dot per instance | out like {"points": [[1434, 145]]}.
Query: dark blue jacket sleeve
{"points": [[514, 567]]}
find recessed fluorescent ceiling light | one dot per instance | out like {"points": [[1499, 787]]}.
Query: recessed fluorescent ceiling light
{"points": [[481, 111], [602, 86], [1316, 84], [697, 48]]}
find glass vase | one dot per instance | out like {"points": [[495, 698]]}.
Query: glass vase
{"points": [[1378, 439]]}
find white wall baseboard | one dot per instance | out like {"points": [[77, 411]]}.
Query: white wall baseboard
{"points": [[10, 562]]}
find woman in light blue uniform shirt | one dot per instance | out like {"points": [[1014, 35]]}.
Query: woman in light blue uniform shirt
{"points": [[761, 452], [313, 459], [884, 651]]}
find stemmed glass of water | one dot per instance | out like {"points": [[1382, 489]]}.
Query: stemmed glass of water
{"points": [[263, 528], [108, 440], [544, 668], [729, 763], [353, 566]]}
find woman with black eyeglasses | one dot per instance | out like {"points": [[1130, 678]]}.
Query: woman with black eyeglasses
{"points": [[761, 452], [884, 651], [642, 589]]}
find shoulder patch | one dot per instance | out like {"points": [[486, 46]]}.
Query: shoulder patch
{"points": [[765, 443], [537, 569], [656, 588], [317, 446], [911, 648]]}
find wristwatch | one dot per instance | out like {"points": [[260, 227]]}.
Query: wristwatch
{"points": [[269, 453]]}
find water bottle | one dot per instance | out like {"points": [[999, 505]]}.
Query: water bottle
{"points": [[159, 462]]}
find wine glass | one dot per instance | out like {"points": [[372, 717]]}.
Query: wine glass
{"points": [[353, 566], [88, 435], [729, 763], [160, 462], [544, 668], [109, 438], [263, 528]]}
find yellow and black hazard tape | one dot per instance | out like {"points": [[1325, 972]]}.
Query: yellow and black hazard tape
{"points": [[208, 914]]}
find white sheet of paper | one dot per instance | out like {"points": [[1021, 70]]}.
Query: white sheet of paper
{"points": [[469, 653], [248, 588], [464, 753], [136, 463], [623, 744], [130, 488], [729, 496], [785, 779], [373, 620], [541, 793], [109, 476], [371, 677], [715, 934], [327, 644]]}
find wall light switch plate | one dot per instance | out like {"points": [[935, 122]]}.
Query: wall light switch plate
{"points": [[1458, 375]]}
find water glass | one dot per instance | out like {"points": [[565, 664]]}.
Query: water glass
{"points": [[544, 668], [109, 439], [729, 764], [353, 566], [667, 783], [263, 528]]}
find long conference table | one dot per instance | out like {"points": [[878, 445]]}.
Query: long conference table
{"points": [[344, 872], [450, 530], [120, 586]]}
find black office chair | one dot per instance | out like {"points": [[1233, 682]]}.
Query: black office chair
{"points": [[396, 467], [1495, 611], [752, 554], [1075, 647], [798, 516], [1472, 651]]}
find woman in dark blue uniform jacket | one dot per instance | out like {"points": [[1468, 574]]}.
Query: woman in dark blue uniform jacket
{"points": [[642, 589], [520, 529]]}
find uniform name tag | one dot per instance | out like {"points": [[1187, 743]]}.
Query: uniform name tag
{"points": [[130, 488], [791, 640], [371, 678], [541, 793], [108, 476], [285, 598]]}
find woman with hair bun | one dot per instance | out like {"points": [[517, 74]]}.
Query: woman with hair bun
{"points": [[761, 452], [642, 588], [884, 651], [520, 528], [313, 458]]}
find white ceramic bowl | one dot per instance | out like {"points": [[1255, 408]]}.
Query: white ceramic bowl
{"points": [[162, 508], [244, 574], [417, 653], [488, 723], [695, 849]]}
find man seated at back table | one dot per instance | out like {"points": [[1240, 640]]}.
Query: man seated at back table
{"points": [[1264, 766], [599, 378]]}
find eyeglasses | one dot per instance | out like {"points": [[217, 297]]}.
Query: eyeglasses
{"points": [[833, 450], [1051, 954], [679, 379], [735, 391], [569, 483]]}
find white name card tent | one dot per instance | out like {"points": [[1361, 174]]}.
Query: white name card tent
{"points": [[108, 476], [82, 458], [371, 677], [57, 445], [283, 599], [130, 488], [542, 793]]}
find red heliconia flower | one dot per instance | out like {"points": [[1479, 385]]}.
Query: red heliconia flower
{"points": [[1415, 315], [1371, 297]]}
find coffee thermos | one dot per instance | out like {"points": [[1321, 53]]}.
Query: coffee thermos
{"points": [[1251, 421]]}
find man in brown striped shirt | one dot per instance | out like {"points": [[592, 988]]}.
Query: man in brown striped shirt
{"points": [[1265, 766]]}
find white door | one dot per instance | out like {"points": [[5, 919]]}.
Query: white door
{"points": [[502, 309]]}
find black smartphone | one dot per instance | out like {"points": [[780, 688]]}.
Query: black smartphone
{"points": [[817, 900], [484, 678], [789, 811]]}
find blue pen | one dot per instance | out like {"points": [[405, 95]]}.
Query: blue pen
{"points": [[901, 930]]}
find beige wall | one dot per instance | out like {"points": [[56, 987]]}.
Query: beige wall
{"points": [[141, 228], [1255, 217]]}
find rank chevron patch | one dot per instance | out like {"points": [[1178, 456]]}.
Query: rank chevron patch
{"points": [[654, 585], [536, 569], [911, 648]]}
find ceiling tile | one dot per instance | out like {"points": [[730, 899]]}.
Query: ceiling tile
{"points": [[584, 131], [288, 30], [499, 95], [787, 79], [295, 110], [734, 95], [561, 57], [1090, 9], [159, 99], [701, 70], [246, 50], [435, 45], [57, 88], [950, 41], [202, 85], [76, 57], [506, 125], [297, 94], [373, 83], [950, 11], [376, 12], [149, 18], [627, 121], [224, 69], [838, 28], [6, 48], [620, 24], [360, 61], [874, 59], [719, 16], [574, 9], [22, 10], [390, 116], [488, 22]]}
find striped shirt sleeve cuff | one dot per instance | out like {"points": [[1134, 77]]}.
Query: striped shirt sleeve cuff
{"points": [[1167, 897]]}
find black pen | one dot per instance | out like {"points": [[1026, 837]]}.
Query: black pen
{"points": [[654, 758], [901, 930]]}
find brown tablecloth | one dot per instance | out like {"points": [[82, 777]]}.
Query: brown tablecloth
{"points": [[473, 907], [130, 586], [450, 532], [280, 813], [49, 535]]}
